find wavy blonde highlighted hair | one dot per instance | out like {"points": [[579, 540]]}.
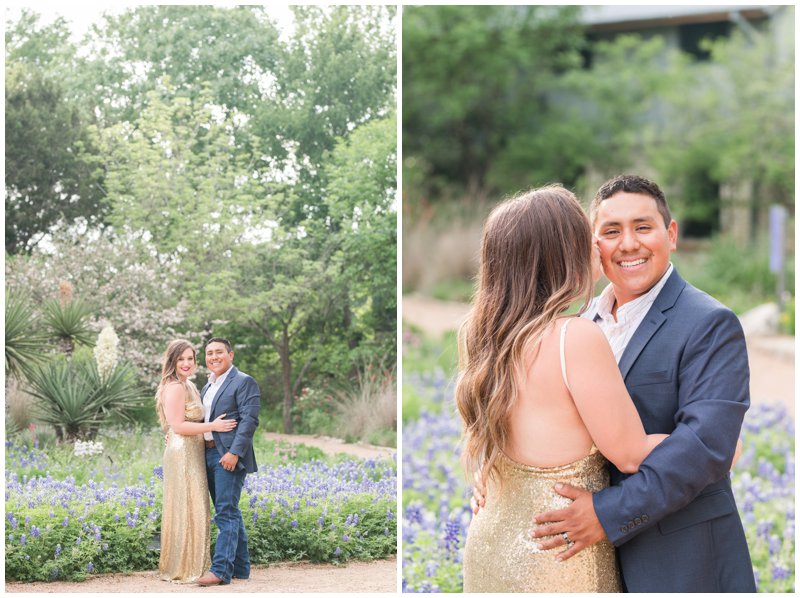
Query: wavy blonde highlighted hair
{"points": [[535, 263], [169, 372]]}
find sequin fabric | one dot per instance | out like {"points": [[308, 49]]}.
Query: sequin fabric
{"points": [[500, 555], [185, 519]]}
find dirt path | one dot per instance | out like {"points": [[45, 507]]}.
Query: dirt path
{"points": [[355, 576], [366, 576], [332, 446], [771, 358]]}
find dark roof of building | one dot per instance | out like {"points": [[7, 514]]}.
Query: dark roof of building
{"points": [[626, 18]]}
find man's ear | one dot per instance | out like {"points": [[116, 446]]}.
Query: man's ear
{"points": [[672, 233]]}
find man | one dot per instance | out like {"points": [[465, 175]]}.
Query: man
{"points": [[229, 457], [683, 357]]}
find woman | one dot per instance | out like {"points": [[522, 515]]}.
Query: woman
{"points": [[185, 525], [541, 396]]}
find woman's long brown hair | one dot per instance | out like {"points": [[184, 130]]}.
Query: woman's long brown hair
{"points": [[169, 372], [535, 263]]}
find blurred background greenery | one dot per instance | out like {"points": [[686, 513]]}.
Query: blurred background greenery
{"points": [[497, 99]]}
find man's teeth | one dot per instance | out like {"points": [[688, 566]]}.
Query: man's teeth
{"points": [[632, 263]]}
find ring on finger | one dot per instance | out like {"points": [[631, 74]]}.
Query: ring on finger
{"points": [[567, 541]]}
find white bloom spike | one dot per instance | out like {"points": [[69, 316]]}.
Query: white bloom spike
{"points": [[105, 352]]}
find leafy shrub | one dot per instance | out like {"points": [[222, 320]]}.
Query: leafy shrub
{"points": [[25, 345], [737, 276], [77, 401], [69, 323]]}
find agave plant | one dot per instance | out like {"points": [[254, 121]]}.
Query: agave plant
{"points": [[69, 322], [25, 344], [76, 400]]}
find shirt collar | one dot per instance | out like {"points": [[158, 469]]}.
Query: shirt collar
{"points": [[606, 300], [213, 379]]}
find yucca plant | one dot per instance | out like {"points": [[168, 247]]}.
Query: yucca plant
{"points": [[69, 323], [73, 397], [25, 344]]}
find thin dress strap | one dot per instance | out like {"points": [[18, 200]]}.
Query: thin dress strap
{"points": [[594, 449], [563, 360]]}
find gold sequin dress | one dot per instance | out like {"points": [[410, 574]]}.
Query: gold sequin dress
{"points": [[500, 555], [185, 519]]}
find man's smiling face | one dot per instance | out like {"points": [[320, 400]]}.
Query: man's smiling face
{"points": [[218, 360], [634, 243]]}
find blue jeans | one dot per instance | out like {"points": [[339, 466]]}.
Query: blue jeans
{"points": [[231, 558]]}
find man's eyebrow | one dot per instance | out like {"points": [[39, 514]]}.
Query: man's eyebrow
{"points": [[619, 223]]}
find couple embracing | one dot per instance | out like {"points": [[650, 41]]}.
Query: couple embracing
{"points": [[613, 429], [209, 451]]}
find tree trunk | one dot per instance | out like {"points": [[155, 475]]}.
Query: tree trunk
{"points": [[286, 380]]}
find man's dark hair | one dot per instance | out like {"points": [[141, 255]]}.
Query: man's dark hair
{"points": [[631, 183], [224, 341]]}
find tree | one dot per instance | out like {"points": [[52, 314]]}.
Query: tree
{"points": [[286, 292], [49, 173], [217, 52], [338, 71], [172, 176], [734, 115], [360, 200], [474, 77]]}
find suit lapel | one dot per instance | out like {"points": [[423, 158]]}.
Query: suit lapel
{"points": [[654, 319], [231, 375]]}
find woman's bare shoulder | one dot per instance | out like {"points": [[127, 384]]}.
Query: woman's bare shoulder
{"points": [[584, 333]]}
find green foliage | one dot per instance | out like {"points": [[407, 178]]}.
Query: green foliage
{"points": [[25, 345], [477, 78], [177, 155], [76, 401], [736, 112], [339, 72], [313, 412], [737, 276], [223, 48], [273, 539], [361, 200], [69, 322], [49, 177], [787, 317]]}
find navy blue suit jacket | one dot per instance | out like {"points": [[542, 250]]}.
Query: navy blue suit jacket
{"points": [[240, 399], [675, 521]]}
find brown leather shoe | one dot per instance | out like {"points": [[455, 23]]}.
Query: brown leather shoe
{"points": [[209, 579]]}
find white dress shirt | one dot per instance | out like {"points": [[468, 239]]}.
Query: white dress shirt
{"points": [[619, 330], [216, 383]]}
